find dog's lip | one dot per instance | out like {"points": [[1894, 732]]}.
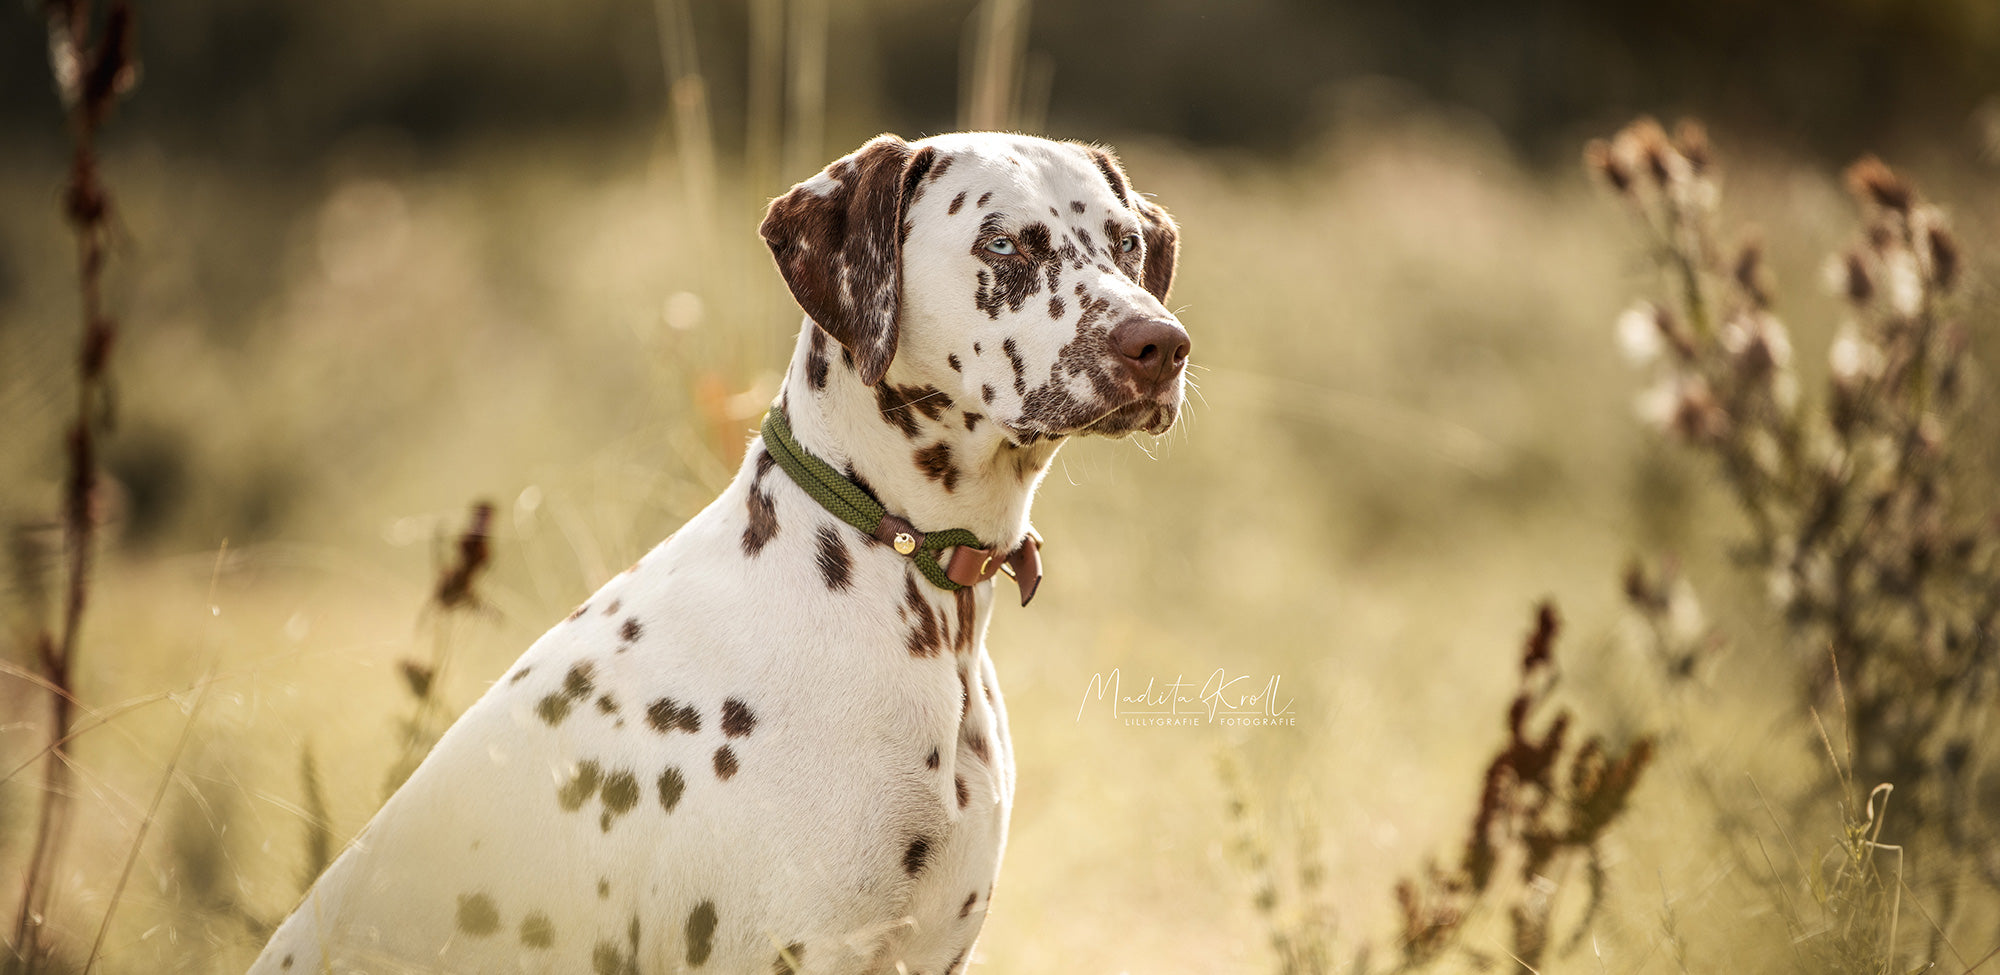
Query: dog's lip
{"points": [[1158, 411]]}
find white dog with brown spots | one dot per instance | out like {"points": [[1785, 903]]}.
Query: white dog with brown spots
{"points": [[777, 744]]}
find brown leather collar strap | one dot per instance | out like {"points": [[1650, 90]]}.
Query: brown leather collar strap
{"points": [[970, 566]]}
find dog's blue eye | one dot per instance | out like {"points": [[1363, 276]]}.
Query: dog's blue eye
{"points": [[1001, 245], [1129, 244]]}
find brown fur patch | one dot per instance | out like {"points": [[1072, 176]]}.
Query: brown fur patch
{"points": [[763, 524], [581, 786], [965, 909], [951, 359], [926, 636], [666, 715], [816, 359], [577, 685], [967, 610], [977, 742], [957, 202], [737, 719], [931, 761], [1056, 308], [964, 796], [836, 567], [917, 855], [935, 463], [1020, 367], [725, 763], [900, 405], [1076, 206], [672, 786], [983, 197], [972, 421]]}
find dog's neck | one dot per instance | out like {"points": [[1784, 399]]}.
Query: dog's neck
{"points": [[911, 446]]}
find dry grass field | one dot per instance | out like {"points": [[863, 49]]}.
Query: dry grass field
{"points": [[1413, 424]]}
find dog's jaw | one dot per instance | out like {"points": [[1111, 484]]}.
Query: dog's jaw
{"points": [[927, 456]]}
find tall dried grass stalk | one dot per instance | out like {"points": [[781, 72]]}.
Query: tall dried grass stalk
{"points": [[995, 61], [94, 62], [805, 142]]}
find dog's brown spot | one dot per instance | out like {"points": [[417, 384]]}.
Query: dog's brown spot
{"points": [[606, 704], [581, 786], [983, 197], [537, 931], [926, 635], [737, 718], [951, 968], [577, 685], [579, 611], [931, 762], [964, 795], [725, 763], [612, 610], [900, 405], [286, 964], [667, 715], [972, 421], [968, 606], [763, 524], [836, 567], [917, 855], [620, 792], [790, 961], [1020, 367], [976, 350], [700, 933], [935, 463], [1056, 308], [603, 888], [986, 393], [965, 909], [977, 742], [1076, 206], [816, 359], [515, 678], [630, 631], [952, 361], [672, 785], [477, 916], [956, 202]]}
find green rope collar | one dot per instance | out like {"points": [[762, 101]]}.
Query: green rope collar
{"points": [[848, 502]]}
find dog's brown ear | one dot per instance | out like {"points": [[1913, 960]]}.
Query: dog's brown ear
{"points": [[1163, 238], [838, 241]]}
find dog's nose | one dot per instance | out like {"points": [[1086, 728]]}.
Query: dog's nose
{"points": [[1152, 350]]}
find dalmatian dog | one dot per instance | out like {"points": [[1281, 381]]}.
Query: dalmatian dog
{"points": [[777, 743]]}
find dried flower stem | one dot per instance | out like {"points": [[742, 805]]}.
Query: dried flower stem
{"points": [[93, 65]]}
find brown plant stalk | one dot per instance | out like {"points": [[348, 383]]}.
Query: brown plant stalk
{"points": [[93, 64]]}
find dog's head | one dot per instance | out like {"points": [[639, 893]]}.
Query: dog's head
{"points": [[1014, 272]]}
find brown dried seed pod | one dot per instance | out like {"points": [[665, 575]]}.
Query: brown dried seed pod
{"points": [[1872, 181], [1602, 162]]}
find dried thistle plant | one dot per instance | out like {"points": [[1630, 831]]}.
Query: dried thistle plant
{"points": [[1871, 538], [1543, 810], [1545, 804]]}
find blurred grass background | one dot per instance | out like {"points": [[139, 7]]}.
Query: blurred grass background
{"points": [[376, 261]]}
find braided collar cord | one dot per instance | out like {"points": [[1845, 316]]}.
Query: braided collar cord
{"points": [[848, 502]]}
